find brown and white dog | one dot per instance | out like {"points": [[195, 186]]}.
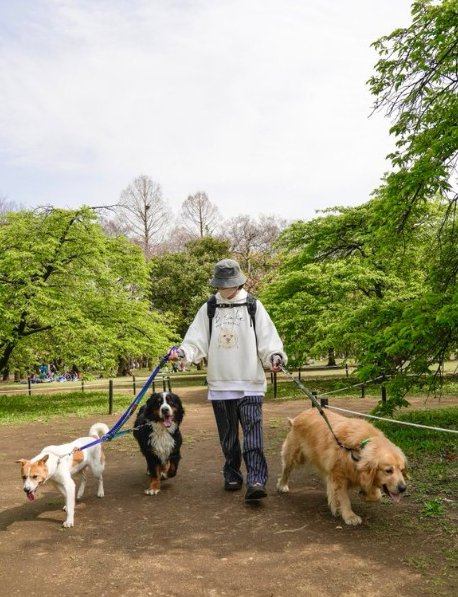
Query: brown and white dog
{"points": [[58, 464], [374, 465]]}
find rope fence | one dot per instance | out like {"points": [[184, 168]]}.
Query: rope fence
{"points": [[163, 383], [406, 423]]}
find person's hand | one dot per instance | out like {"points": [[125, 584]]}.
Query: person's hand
{"points": [[276, 362], [176, 354]]}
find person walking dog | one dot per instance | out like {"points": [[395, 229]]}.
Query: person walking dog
{"points": [[235, 334]]}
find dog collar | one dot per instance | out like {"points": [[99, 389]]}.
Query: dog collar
{"points": [[355, 456]]}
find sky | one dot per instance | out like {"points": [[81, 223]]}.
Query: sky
{"points": [[262, 104]]}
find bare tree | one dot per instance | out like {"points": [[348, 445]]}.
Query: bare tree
{"points": [[114, 226], [251, 238], [7, 206], [144, 214], [199, 215], [176, 240]]}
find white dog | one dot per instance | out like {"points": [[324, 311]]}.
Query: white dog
{"points": [[59, 463]]}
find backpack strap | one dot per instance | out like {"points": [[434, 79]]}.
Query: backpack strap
{"points": [[211, 310], [250, 305]]}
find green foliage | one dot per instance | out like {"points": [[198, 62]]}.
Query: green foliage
{"points": [[378, 283], [180, 281], [338, 287], [416, 81], [71, 294]]}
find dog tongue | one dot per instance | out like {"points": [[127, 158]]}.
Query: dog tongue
{"points": [[396, 497], [167, 421], [30, 496]]}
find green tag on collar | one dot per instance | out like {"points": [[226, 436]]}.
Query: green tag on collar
{"points": [[364, 443]]}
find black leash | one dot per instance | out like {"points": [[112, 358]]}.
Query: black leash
{"points": [[323, 414]]}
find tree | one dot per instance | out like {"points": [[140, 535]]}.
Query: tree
{"points": [[199, 215], [144, 213], [252, 243], [339, 286], [416, 82], [7, 206], [180, 282], [68, 292]]}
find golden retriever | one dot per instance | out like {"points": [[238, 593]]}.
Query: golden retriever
{"points": [[375, 464]]}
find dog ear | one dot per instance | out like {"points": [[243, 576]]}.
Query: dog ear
{"points": [[367, 468], [367, 474], [179, 414], [21, 461], [44, 459]]}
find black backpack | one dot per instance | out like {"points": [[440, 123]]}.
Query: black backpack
{"points": [[212, 305]]}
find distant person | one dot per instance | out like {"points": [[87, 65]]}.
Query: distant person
{"points": [[237, 351], [75, 373]]}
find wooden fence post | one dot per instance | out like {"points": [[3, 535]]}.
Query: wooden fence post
{"points": [[110, 396]]}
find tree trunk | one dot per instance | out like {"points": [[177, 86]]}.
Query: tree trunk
{"points": [[123, 367], [5, 355], [331, 358]]}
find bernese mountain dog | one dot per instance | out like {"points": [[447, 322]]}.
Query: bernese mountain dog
{"points": [[157, 431]]}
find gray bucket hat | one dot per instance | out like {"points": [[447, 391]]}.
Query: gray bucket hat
{"points": [[227, 274]]}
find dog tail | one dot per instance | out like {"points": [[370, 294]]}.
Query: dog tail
{"points": [[98, 429]]}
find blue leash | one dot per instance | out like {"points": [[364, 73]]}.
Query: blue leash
{"points": [[114, 431]]}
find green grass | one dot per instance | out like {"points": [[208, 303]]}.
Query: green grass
{"points": [[21, 409], [432, 455]]}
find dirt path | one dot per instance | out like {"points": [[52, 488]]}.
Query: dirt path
{"points": [[194, 538]]}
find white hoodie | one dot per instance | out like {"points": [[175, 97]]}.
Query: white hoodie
{"points": [[234, 360]]}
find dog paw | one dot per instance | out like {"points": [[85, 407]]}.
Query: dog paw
{"points": [[352, 519], [282, 488], [67, 524], [100, 494], [152, 491], [164, 476]]}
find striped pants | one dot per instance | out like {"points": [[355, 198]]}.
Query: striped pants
{"points": [[248, 412]]}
